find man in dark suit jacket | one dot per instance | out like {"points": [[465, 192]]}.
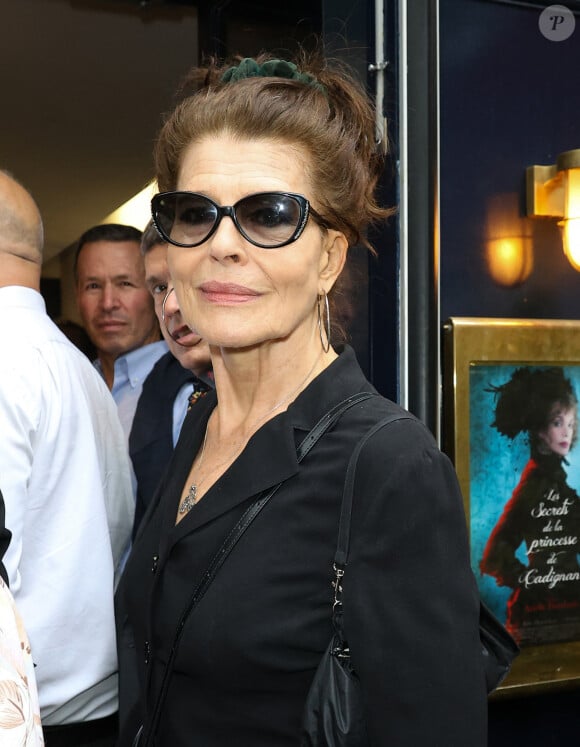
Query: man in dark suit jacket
{"points": [[175, 383]]}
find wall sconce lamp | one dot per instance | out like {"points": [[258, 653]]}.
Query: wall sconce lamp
{"points": [[508, 245], [554, 191]]}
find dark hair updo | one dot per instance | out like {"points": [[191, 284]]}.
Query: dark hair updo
{"points": [[526, 401]]}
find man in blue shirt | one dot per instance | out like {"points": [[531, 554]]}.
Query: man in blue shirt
{"points": [[117, 311]]}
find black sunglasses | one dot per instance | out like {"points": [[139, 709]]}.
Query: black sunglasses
{"points": [[269, 220]]}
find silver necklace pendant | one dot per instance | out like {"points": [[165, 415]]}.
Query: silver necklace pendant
{"points": [[189, 501]]}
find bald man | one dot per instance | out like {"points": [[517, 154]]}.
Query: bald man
{"points": [[65, 478]]}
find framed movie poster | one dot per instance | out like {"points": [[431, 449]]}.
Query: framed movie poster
{"points": [[511, 392]]}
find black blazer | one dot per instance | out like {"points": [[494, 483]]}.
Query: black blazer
{"points": [[249, 651], [151, 437]]}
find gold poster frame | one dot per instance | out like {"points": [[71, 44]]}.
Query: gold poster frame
{"points": [[473, 340]]}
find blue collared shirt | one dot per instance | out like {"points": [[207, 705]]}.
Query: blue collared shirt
{"points": [[131, 370]]}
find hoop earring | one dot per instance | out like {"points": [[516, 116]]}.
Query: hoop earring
{"points": [[169, 292], [325, 345]]}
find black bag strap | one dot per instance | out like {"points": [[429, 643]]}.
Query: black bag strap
{"points": [[322, 426], [341, 556]]}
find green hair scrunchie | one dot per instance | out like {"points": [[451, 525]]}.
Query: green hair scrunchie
{"points": [[249, 68]]}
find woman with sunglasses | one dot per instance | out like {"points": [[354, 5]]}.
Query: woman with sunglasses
{"points": [[267, 177]]}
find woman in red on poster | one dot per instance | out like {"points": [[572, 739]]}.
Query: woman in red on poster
{"points": [[543, 512]]}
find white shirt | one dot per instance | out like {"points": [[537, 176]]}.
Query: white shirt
{"points": [[64, 474]]}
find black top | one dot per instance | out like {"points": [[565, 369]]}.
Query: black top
{"points": [[250, 649]]}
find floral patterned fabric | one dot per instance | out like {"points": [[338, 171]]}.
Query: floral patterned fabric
{"points": [[19, 711]]}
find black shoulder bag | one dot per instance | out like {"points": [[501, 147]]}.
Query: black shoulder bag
{"points": [[145, 736], [333, 714]]}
